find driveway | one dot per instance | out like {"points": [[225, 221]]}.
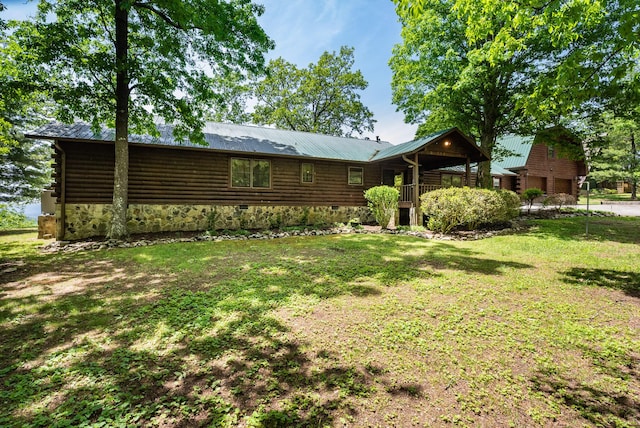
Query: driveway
{"points": [[627, 209]]}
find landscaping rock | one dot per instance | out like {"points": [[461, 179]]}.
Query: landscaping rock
{"points": [[147, 240]]}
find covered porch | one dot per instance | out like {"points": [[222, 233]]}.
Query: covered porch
{"points": [[406, 166]]}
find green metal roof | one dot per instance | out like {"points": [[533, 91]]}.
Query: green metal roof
{"points": [[256, 140], [408, 147], [520, 147], [234, 138]]}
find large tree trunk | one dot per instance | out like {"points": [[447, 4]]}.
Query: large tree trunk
{"points": [[484, 179], [118, 227]]}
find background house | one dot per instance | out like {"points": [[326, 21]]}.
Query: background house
{"points": [[531, 162], [541, 163], [244, 177]]}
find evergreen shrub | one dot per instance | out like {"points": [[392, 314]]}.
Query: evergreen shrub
{"points": [[383, 203]]}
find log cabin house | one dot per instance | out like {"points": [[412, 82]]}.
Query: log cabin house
{"points": [[244, 177]]}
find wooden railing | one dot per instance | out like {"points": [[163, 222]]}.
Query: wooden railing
{"points": [[406, 191]]}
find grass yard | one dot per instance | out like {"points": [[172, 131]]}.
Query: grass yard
{"points": [[598, 198], [541, 328]]}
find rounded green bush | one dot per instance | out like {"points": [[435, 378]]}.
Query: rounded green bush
{"points": [[383, 203], [465, 207]]}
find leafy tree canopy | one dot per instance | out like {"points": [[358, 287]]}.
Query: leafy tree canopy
{"points": [[178, 52], [495, 67], [124, 63], [25, 163], [322, 98], [612, 133], [615, 155]]}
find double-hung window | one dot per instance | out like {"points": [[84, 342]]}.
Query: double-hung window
{"points": [[252, 173]]}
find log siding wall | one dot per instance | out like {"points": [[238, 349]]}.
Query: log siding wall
{"points": [[160, 175]]}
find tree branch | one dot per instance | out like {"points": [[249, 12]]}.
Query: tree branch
{"points": [[166, 18]]}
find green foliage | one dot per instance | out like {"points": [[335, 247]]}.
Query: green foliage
{"points": [[321, 98], [25, 168], [465, 207], [276, 221], [530, 195], [212, 220], [495, 67], [383, 203], [304, 218], [70, 49], [10, 218], [125, 64], [615, 155]]}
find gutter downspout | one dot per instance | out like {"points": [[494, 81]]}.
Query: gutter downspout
{"points": [[60, 229], [416, 189]]}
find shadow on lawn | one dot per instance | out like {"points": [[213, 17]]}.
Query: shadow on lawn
{"points": [[610, 406], [101, 337], [104, 353], [629, 282]]}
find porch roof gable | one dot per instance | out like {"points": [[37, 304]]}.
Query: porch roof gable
{"points": [[476, 154]]}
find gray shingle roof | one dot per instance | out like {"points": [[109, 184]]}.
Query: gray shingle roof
{"points": [[234, 138]]}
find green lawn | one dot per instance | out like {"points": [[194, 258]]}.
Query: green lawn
{"points": [[540, 328], [597, 198]]}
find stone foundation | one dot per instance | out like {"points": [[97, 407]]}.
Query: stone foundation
{"points": [[46, 227], [86, 220]]}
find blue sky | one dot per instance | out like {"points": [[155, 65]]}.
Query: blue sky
{"points": [[304, 29]]}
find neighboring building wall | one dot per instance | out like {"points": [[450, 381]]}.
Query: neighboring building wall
{"points": [[86, 220], [546, 171]]}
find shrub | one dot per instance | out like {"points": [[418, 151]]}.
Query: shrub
{"points": [[530, 195], [511, 203], [560, 199], [383, 203], [458, 207]]}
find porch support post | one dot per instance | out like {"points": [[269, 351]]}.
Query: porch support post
{"points": [[468, 172], [416, 191]]}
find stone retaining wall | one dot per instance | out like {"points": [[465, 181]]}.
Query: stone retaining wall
{"points": [[86, 220]]}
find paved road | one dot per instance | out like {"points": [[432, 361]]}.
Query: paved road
{"points": [[632, 210], [627, 210]]}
